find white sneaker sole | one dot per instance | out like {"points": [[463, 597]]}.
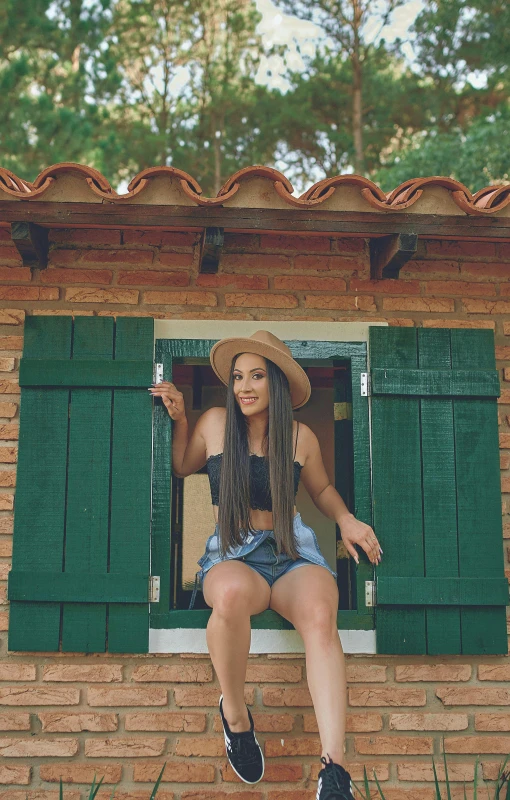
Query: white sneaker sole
{"points": [[251, 783]]}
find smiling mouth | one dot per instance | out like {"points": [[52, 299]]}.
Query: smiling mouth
{"points": [[248, 400]]}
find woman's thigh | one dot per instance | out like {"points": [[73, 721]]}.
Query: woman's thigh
{"points": [[233, 584], [306, 595]]}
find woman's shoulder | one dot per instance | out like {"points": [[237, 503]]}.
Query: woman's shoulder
{"points": [[212, 422]]}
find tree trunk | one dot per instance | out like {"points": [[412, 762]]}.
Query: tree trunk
{"points": [[357, 88], [217, 162]]}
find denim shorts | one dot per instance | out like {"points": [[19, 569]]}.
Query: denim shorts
{"points": [[259, 552]]}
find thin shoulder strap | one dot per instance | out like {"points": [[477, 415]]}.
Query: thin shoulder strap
{"points": [[297, 434]]}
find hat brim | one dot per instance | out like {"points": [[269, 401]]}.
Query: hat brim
{"points": [[223, 352]]}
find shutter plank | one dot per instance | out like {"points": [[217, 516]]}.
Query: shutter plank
{"points": [[397, 490], [41, 485], [439, 493], [86, 547], [128, 624], [483, 630]]}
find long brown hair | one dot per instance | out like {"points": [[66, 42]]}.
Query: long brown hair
{"points": [[234, 496]]}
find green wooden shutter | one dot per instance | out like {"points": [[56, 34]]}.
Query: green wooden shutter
{"points": [[440, 587], [81, 546]]}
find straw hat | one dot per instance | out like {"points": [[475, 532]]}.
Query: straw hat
{"points": [[268, 345]]}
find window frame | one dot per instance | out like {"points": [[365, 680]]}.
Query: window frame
{"points": [[174, 630]]}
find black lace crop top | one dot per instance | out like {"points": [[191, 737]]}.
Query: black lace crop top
{"points": [[260, 492]]}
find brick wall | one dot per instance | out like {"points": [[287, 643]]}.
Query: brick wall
{"points": [[123, 716]]}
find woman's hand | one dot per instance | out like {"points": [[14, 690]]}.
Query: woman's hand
{"points": [[171, 397], [353, 531]]}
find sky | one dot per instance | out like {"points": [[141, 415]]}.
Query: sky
{"points": [[277, 28]]}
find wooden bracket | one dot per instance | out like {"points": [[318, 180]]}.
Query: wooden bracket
{"points": [[210, 250], [31, 241], [389, 253]]}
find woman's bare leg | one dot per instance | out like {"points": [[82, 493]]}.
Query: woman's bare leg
{"points": [[308, 597], [235, 592]]}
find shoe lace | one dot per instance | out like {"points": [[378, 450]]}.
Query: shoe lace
{"points": [[335, 783], [243, 747]]}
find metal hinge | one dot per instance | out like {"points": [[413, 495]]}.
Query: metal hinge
{"points": [[365, 384], [154, 585], [158, 373], [370, 594]]}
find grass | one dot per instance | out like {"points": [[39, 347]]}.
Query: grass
{"points": [[501, 784]]}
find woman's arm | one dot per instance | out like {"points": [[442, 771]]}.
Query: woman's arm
{"points": [[315, 479]]}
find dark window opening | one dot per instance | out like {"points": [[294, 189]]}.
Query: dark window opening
{"points": [[328, 414]]}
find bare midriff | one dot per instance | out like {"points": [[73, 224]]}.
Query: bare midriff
{"points": [[260, 520]]}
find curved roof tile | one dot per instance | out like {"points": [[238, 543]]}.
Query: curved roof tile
{"points": [[169, 185]]}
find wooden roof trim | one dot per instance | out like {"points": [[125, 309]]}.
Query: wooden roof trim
{"points": [[169, 185]]}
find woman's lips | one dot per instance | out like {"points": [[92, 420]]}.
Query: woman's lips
{"points": [[248, 400]]}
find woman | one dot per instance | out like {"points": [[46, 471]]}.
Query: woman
{"points": [[261, 554]]}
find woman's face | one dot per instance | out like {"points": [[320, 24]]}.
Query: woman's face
{"points": [[251, 384]]}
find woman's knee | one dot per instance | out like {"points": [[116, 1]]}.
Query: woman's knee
{"points": [[231, 597], [318, 618]]}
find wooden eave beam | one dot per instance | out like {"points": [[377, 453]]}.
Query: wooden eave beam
{"points": [[256, 220], [210, 249], [31, 241], [388, 254]]}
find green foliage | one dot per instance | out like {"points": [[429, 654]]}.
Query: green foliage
{"points": [[501, 784]]}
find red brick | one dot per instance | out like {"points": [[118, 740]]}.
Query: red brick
{"points": [[55, 275], [60, 722], [12, 274], [181, 298], [7, 364], [385, 286], [39, 696], [127, 696], [152, 278], [80, 773], [286, 697], [492, 722], [294, 794], [494, 672], [261, 300], [174, 259], [292, 747], [386, 696], [14, 721], [393, 745], [97, 673], [263, 673], [473, 696], [221, 795], [159, 238], [11, 342], [424, 772], [365, 673], [302, 244], [14, 773], [85, 236], [349, 244], [131, 747], [486, 306], [193, 746], [233, 281], [204, 696], [38, 794], [477, 744], [459, 287], [166, 721], [458, 323], [452, 247], [485, 271], [6, 525], [16, 672], [241, 242], [430, 269], [66, 258], [433, 672], [10, 256], [307, 283], [348, 266], [6, 504], [244, 261], [36, 747], [174, 673], [442, 305], [12, 316], [129, 296], [175, 772], [342, 302], [428, 722], [28, 293], [273, 773]]}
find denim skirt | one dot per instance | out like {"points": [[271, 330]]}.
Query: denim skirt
{"points": [[259, 552]]}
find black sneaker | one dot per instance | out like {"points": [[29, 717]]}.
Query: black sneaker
{"points": [[243, 751], [334, 782]]}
